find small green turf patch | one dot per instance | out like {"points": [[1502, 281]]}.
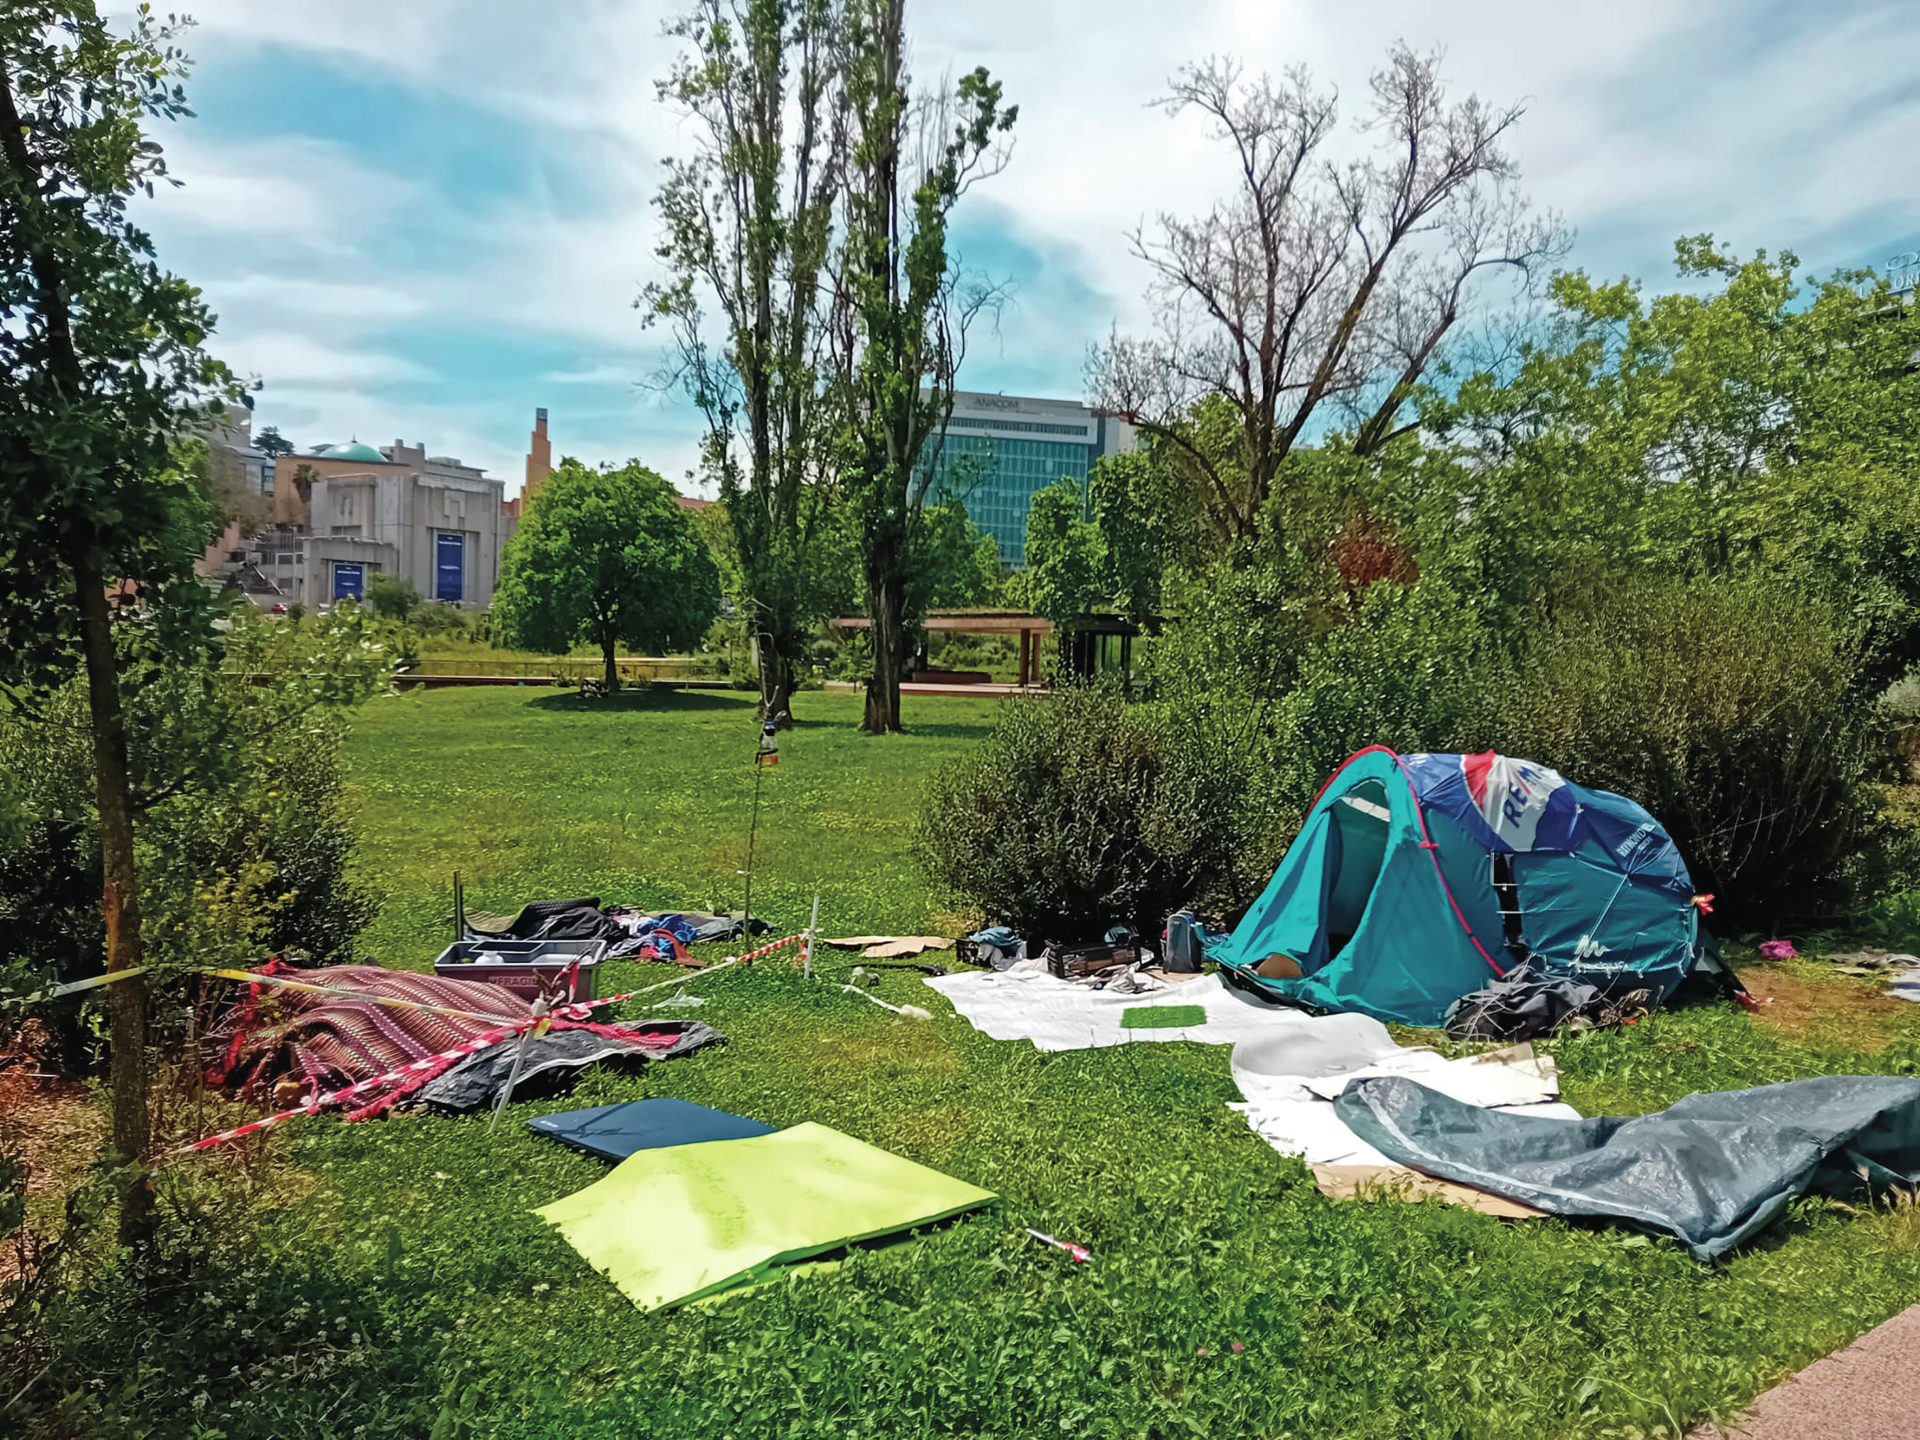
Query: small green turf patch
{"points": [[1162, 1017]]}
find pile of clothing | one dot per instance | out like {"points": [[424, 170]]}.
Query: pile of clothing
{"points": [[279, 1044], [629, 933]]}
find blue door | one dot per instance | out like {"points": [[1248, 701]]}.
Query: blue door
{"points": [[450, 568], [349, 580]]}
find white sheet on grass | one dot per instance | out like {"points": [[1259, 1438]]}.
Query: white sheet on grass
{"points": [[1061, 1015], [1288, 1064], [1289, 1080]]}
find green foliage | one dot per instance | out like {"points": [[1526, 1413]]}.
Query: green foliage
{"points": [[608, 556], [88, 471], [1081, 811], [392, 596], [1729, 709], [907, 316], [1760, 428], [758, 85], [1137, 510], [246, 839], [1401, 673], [1065, 558], [955, 565]]}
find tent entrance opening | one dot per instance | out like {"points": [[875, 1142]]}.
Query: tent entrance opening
{"points": [[1361, 820]]}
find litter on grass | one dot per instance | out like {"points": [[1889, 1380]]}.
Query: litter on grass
{"points": [[1710, 1170], [682, 1223], [890, 947], [1290, 1078], [1055, 1014], [613, 1132], [348, 1025]]}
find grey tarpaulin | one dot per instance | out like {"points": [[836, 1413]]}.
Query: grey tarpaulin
{"points": [[1710, 1171], [555, 1056]]}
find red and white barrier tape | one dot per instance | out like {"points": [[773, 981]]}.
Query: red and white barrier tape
{"points": [[314, 1104]]}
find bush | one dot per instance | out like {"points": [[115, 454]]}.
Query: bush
{"points": [[391, 596], [1080, 812], [1400, 672], [244, 844], [1730, 710]]}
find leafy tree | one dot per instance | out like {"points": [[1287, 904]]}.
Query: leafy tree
{"points": [[270, 442], [748, 219], [1316, 286], [1137, 515], [605, 556], [101, 371], [1066, 560], [1747, 429], [907, 311], [243, 840], [957, 566], [392, 596]]}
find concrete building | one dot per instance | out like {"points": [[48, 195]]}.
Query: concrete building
{"points": [[234, 434], [539, 466], [999, 449], [345, 513]]}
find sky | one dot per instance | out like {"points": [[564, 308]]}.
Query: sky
{"points": [[421, 219]]}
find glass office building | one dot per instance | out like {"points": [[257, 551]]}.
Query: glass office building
{"points": [[999, 449]]}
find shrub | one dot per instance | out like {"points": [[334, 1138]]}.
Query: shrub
{"points": [[1398, 673], [1730, 710], [392, 596], [244, 843], [1080, 812]]}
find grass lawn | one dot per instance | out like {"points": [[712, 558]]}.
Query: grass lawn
{"points": [[387, 1278]]}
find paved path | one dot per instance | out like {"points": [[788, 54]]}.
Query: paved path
{"points": [[1868, 1391]]}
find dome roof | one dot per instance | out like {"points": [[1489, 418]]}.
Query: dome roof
{"points": [[352, 450]]}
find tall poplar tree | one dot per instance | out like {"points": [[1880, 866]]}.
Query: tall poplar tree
{"points": [[906, 310], [748, 219]]}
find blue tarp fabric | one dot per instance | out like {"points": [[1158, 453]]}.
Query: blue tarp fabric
{"points": [[614, 1132], [1710, 1171]]}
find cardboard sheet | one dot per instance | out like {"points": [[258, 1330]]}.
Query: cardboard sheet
{"points": [[1390, 1182]]}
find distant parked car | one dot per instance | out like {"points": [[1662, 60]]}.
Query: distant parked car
{"points": [[278, 609]]}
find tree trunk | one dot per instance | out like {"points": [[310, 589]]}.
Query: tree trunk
{"points": [[608, 645], [779, 679], [119, 898], [886, 602]]}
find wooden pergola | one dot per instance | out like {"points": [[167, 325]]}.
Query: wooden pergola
{"points": [[1030, 628]]}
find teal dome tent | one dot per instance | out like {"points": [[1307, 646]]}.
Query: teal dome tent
{"points": [[1418, 879]]}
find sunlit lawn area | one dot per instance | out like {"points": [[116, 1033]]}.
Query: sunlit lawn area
{"points": [[1226, 1297]]}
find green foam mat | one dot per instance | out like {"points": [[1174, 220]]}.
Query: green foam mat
{"points": [[1162, 1017], [685, 1222]]}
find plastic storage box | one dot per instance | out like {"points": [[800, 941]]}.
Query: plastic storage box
{"points": [[523, 966]]}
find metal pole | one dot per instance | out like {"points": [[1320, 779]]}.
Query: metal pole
{"points": [[753, 828], [806, 955]]}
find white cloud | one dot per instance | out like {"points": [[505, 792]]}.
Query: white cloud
{"points": [[605, 373], [1645, 120], [302, 193], [294, 361]]}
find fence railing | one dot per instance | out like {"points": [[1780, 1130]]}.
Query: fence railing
{"points": [[568, 669]]}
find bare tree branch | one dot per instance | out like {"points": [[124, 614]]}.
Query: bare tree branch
{"points": [[1316, 283]]}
